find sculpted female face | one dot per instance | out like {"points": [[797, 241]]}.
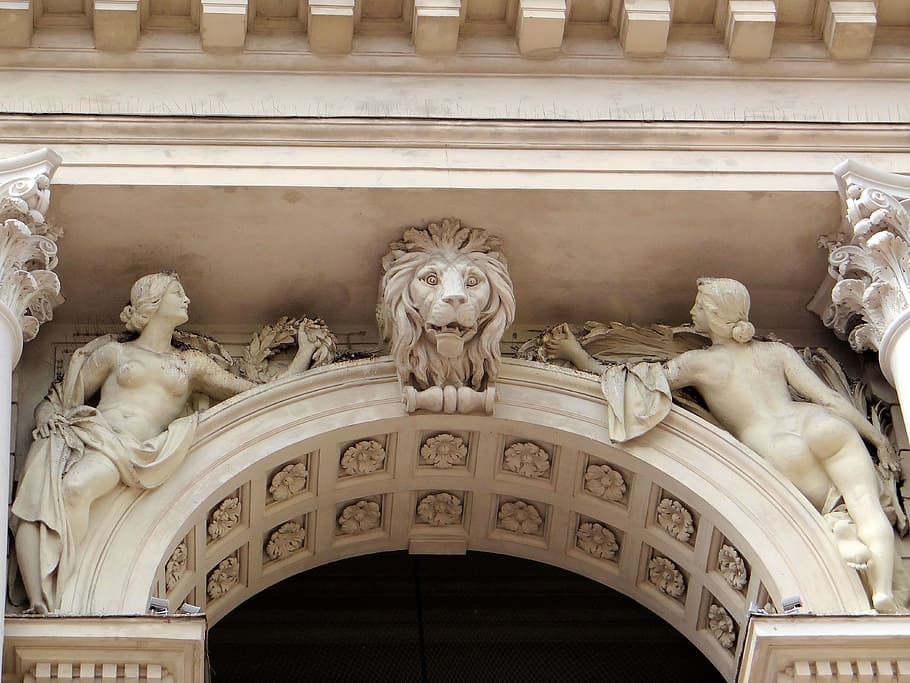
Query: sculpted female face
{"points": [[702, 315], [174, 304]]}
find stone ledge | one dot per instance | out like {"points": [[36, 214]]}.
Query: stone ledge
{"points": [[806, 648], [140, 648]]}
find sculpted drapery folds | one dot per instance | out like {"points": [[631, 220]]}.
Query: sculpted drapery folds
{"points": [[445, 301], [137, 435], [816, 444]]}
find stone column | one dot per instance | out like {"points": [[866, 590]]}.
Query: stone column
{"points": [[29, 289], [870, 263]]}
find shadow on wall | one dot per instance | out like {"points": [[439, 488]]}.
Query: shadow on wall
{"points": [[479, 617]]}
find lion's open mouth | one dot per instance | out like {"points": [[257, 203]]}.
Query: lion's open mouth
{"points": [[448, 328], [450, 338]]}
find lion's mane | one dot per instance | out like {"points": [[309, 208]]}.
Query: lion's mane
{"points": [[400, 322]]}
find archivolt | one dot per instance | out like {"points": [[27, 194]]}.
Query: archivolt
{"points": [[733, 498]]}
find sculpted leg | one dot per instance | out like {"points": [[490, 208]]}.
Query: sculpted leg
{"points": [[88, 480], [28, 544], [852, 472]]}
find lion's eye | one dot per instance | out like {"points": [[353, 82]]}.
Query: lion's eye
{"points": [[431, 279], [472, 281]]}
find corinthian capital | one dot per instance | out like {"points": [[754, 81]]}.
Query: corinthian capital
{"points": [[28, 244], [870, 261]]}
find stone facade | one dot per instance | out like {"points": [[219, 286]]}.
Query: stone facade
{"points": [[617, 150]]}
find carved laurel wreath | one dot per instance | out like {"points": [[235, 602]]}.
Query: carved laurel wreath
{"points": [[272, 339]]}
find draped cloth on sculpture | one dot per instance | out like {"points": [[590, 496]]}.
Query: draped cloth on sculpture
{"points": [[638, 398], [81, 428]]}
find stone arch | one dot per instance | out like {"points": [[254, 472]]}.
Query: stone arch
{"points": [[733, 499]]}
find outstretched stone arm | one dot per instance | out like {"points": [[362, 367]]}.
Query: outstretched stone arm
{"points": [[212, 380], [563, 345]]}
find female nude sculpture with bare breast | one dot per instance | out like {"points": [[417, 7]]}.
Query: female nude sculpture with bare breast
{"points": [[818, 445], [138, 434]]}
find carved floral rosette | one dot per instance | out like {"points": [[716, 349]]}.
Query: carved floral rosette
{"points": [[440, 509], [596, 540], [675, 519], [364, 457], [871, 266], [605, 483], [732, 567], [663, 574], [722, 626], [289, 481], [359, 518], [224, 518], [526, 459], [285, 540], [28, 244], [444, 451], [223, 578], [520, 517], [176, 566]]}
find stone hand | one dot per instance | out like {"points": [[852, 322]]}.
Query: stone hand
{"points": [[561, 344], [887, 458], [48, 425], [307, 340]]}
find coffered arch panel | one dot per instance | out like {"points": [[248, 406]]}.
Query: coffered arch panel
{"points": [[314, 469]]}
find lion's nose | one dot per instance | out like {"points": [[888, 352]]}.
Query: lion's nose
{"points": [[453, 292]]}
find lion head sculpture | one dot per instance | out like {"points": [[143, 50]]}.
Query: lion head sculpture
{"points": [[444, 303]]}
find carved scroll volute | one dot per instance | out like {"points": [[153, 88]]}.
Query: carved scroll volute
{"points": [[871, 263], [445, 301], [28, 244]]}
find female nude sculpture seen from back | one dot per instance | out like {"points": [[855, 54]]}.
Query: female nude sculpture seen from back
{"points": [[817, 445], [138, 434]]}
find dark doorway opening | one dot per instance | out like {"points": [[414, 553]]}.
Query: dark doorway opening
{"points": [[479, 617]]}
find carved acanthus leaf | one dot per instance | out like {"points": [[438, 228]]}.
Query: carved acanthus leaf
{"points": [[28, 245], [440, 509], [527, 459], [604, 482], [224, 518], [721, 624], [872, 269], [287, 539], [520, 517], [668, 579], [224, 577], [444, 451], [362, 516], [176, 566], [289, 481], [675, 519], [596, 540], [364, 457]]}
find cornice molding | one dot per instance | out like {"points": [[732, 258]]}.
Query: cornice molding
{"points": [[133, 150], [395, 132]]}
